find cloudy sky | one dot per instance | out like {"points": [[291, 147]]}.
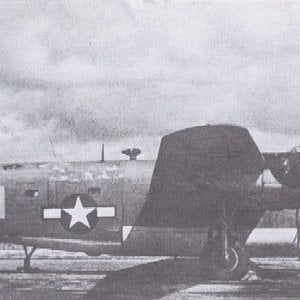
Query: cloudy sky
{"points": [[74, 74]]}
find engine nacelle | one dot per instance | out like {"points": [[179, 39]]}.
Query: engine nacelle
{"points": [[285, 167]]}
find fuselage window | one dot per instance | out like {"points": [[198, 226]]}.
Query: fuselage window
{"points": [[32, 193]]}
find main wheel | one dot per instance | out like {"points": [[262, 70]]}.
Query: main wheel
{"points": [[235, 266]]}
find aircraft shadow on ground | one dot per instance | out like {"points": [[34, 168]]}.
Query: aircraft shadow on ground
{"points": [[158, 279], [149, 281]]}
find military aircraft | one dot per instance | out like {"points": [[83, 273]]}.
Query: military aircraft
{"points": [[205, 193]]}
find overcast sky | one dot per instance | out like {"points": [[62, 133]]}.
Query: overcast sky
{"points": [[79, 73]]}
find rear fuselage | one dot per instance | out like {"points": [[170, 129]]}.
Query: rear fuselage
{"points": [[30, 189]]}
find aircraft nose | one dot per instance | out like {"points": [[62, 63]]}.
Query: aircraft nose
{"points": [[3, 221], [2, 202]]}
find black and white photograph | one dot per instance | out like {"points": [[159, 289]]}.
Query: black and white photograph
{"points": [[149, 149]]}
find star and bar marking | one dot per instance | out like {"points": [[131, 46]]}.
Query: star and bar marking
{"points": [[79, 213]]}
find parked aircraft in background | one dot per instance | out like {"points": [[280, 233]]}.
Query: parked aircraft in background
{"points": [[205, 193]]}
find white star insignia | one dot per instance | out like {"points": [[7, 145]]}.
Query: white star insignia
{"points": [[79, 213]]}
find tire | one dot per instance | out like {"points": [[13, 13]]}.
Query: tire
{"points": [[234, 268]]}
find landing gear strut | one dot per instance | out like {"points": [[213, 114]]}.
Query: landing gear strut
{"points": [[233, 266], [223, 256], [28, 254]]}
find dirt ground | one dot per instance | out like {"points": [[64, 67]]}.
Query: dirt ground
{"points": [[68, 276]]}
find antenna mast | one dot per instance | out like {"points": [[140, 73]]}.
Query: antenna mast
{"points": [[52, 147], [102, 153]]}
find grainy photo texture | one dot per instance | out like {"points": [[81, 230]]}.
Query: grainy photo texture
{"points": [[149, 149]]}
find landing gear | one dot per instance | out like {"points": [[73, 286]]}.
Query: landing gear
{"points": [[223, 257], [233, 266], [28, 254]]}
